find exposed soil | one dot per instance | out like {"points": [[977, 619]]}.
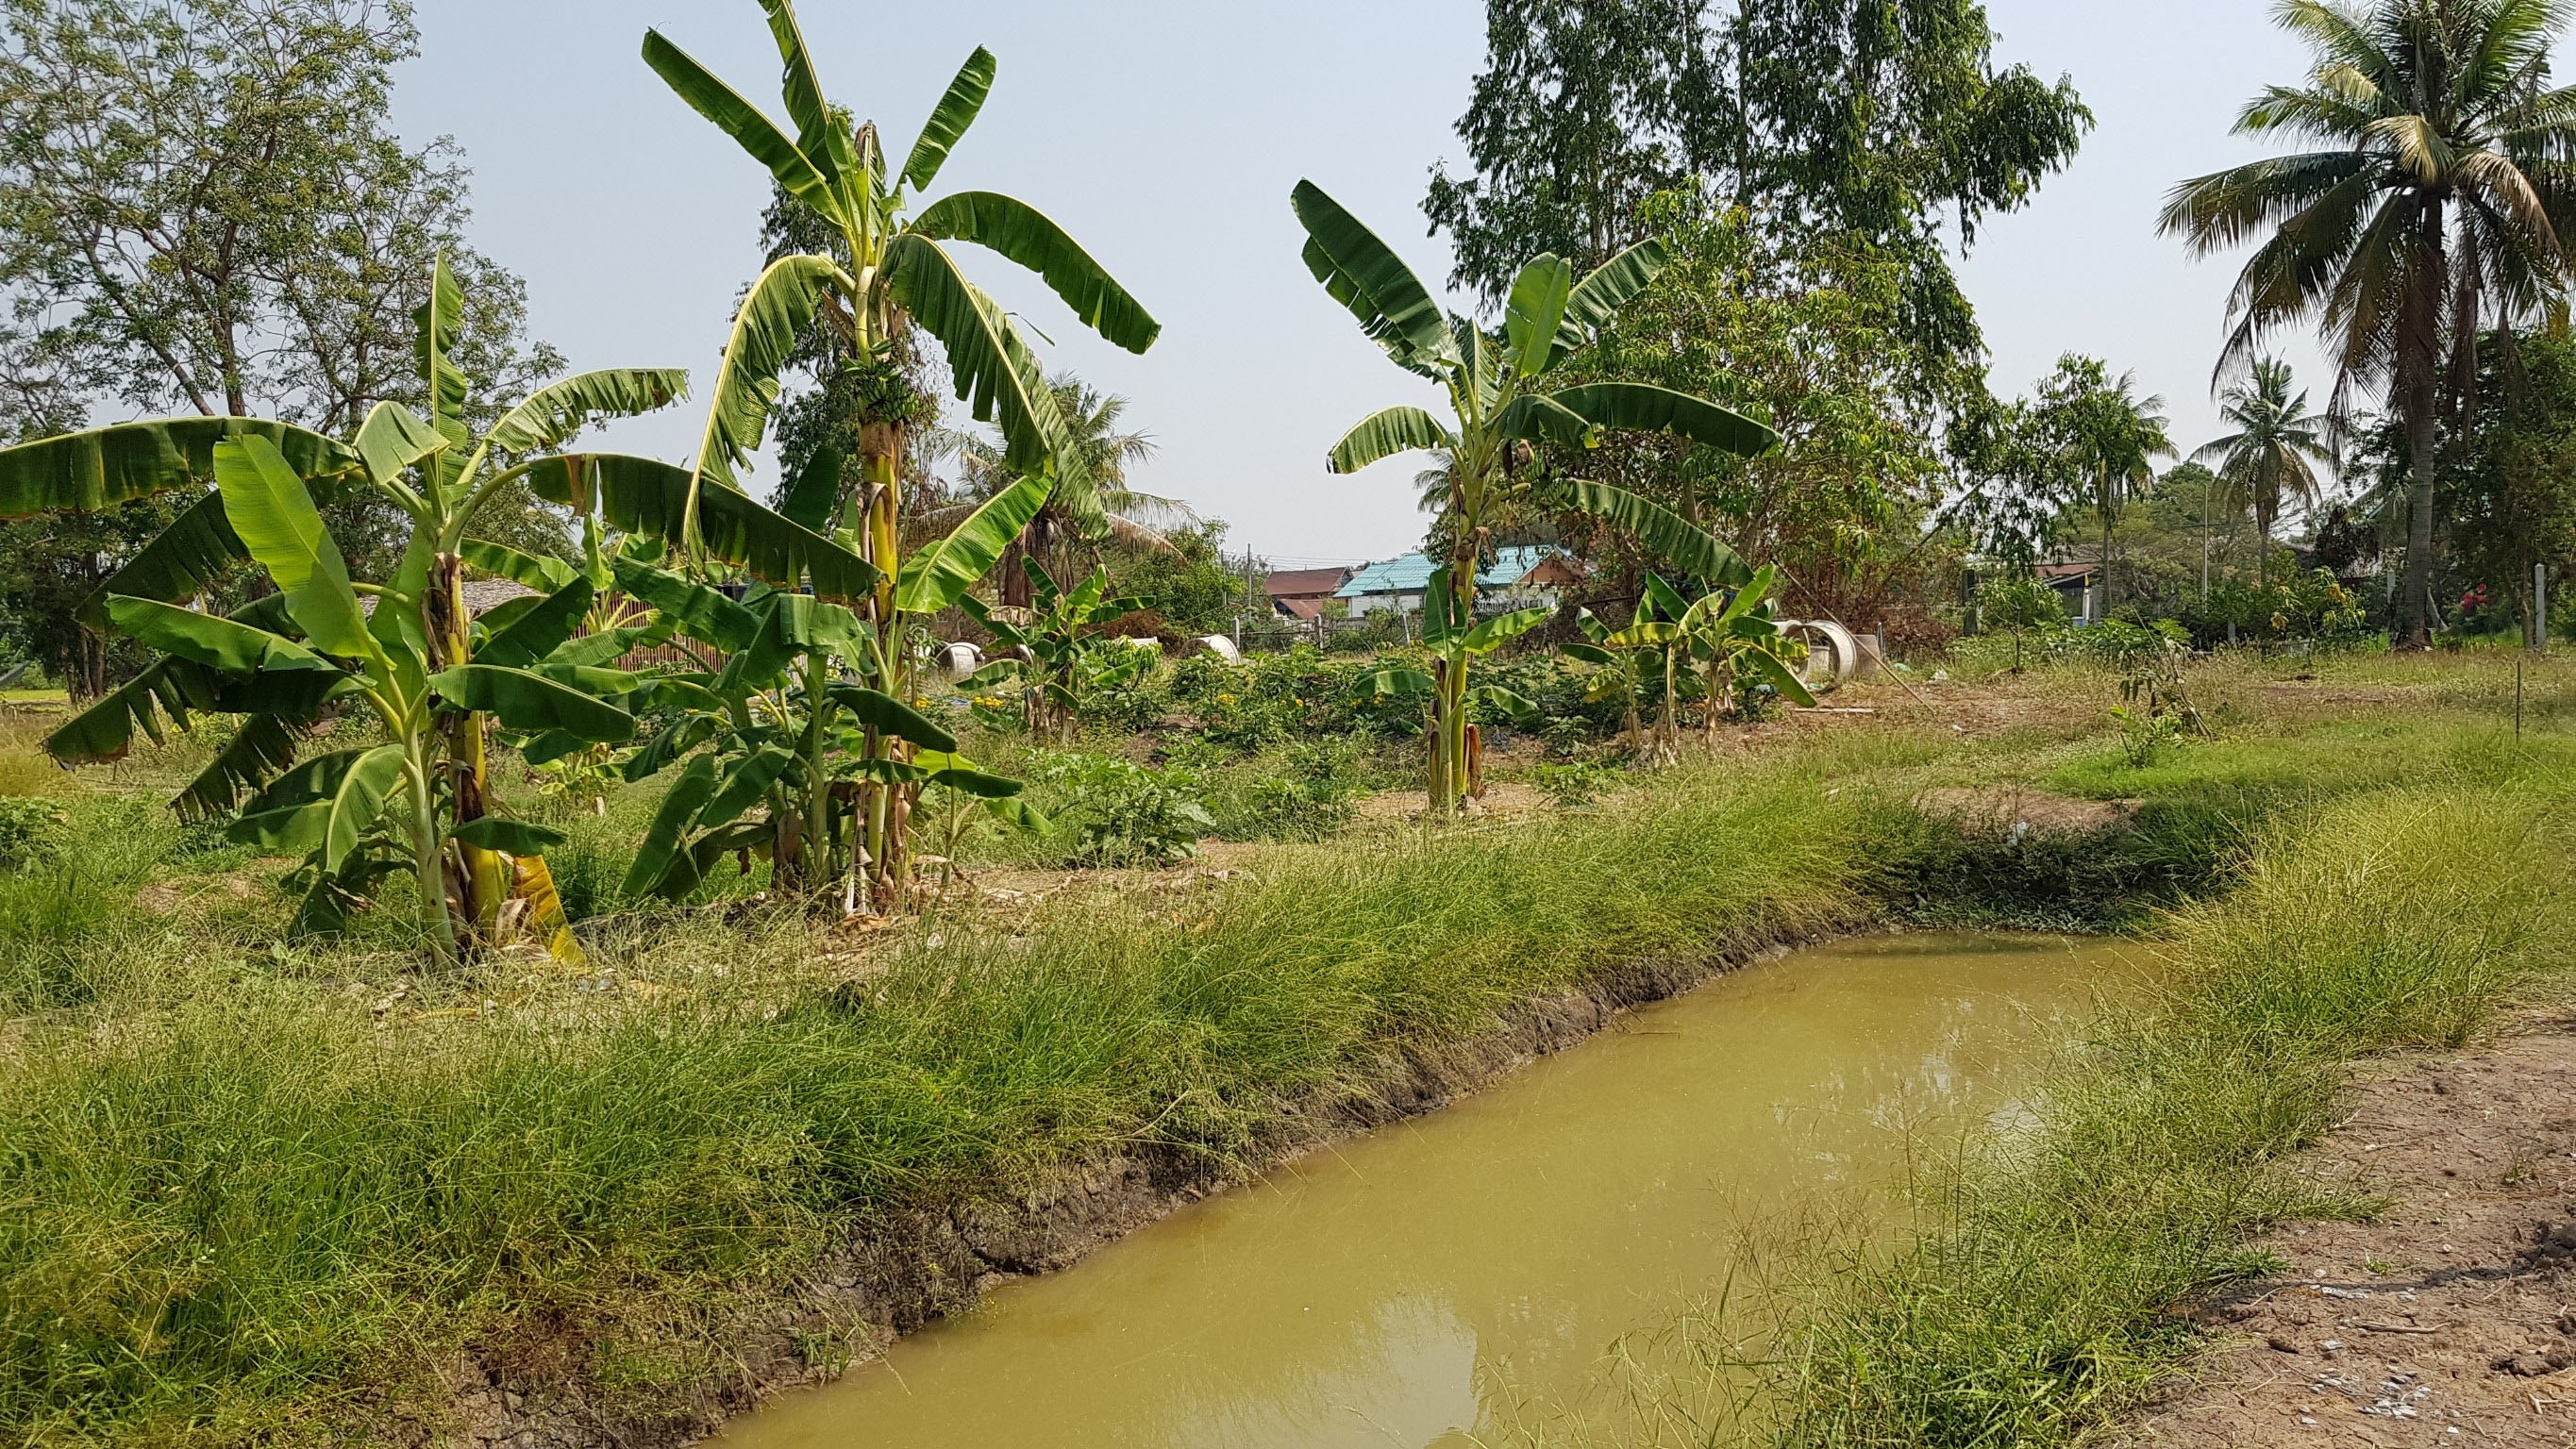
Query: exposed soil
{"points": [[2451, 1318]]}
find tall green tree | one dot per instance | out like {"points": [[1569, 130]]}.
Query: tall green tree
{"points": [[1886, 119], [2274, 452], [1503, 401], [1813, 333], [204, 207], [2435, 204], [2110, 438], [887, 271]]}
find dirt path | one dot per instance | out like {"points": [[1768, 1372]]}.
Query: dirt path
{"points": [[2449, 1320]]}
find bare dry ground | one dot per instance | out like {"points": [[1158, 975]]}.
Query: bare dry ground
{"points": [[2448, 1319]]}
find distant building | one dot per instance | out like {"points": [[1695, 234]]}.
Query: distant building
{"points": [[2074, 585], [1525, 577], [1303, 593]]}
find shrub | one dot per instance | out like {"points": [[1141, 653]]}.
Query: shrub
{"points": [[1117, 812], [30, 831]]}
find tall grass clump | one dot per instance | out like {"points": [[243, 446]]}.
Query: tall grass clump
{"points": [[2036, 1301]]}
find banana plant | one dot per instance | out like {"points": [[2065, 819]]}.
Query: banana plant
{"points": [[1453, 639], [313, 645], [1049, 652], [1735, 636], [783, 731], [891, 273], [439, 475], [1501, 408], [1626, 662]]}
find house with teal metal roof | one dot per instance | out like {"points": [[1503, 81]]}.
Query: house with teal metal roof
{"points": [[1526, 575]]}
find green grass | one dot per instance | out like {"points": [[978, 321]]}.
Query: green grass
{"points": [[2036, 1306], [234, 1207]]}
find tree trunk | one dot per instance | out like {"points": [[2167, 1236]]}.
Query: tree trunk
{"points": [[880, 460], [2416, 586]]}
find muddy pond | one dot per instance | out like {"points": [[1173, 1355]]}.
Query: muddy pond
{"points": [[1426, 1284]]}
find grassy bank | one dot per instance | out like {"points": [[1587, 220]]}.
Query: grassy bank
{"points": [[2036, 1306], [248, 1197], [258, 1191]]}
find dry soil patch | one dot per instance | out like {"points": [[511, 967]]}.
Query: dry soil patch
{"points": [[2451, 1319]]}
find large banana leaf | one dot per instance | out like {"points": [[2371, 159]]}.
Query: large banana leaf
{"points": [[532, 703], [541, 630], [791, 625], [1384, 434], [1598, 299], [740, 119], [1025, 235], [939, 576], [647, 496], [949, 119], [511, 837], [698, 611], [326, 802], [1683, 544], [881, 711], [264, 745], [1644, 407], [545, 920], [994, 370], [105, 730], [276, 519], [745, 784], [436, 325], [1394, 681], [108, 466], [545, 575], [393, 438], [824, 140], [1364, 275], [218, 644], [661, 866], [1780, 676], [1535, 310], [550, 416], [773, 314], [1538, 418], [1494, 633], [808, 501], [178, 565]]}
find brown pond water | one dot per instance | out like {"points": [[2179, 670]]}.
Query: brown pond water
{"points": [[1411, 1287]]}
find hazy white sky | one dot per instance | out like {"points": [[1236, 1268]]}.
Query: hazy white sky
{"points": [[1165, 136]]}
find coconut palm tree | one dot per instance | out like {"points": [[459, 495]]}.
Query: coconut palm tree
{"points": [[2436, 206], [2107, 436], [2273, 451], [1091, 503]]}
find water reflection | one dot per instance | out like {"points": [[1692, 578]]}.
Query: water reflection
{"points": [[1372, 1295]]}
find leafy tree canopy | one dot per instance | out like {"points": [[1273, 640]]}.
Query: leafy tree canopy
{"points": [[1887, 119], [204, 208]]}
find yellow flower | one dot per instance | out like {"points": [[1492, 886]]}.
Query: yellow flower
{"points": [[1225, 699]]}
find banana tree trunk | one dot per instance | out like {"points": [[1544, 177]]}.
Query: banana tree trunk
{"points": [[880, 456], [485, 879], [429, 855]]}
